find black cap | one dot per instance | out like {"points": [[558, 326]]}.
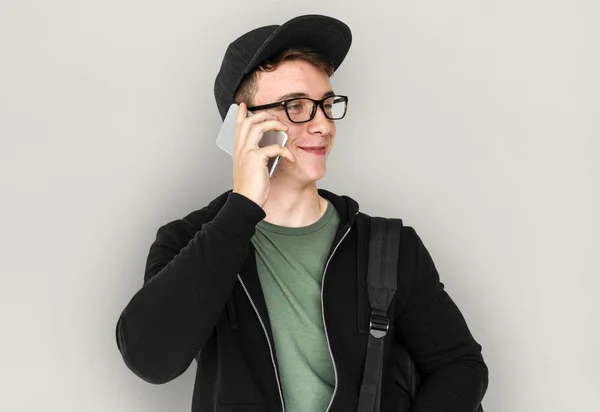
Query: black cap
{"points": [[325, 35]]}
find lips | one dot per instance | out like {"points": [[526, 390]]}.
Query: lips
{"points": [[316, 150]]}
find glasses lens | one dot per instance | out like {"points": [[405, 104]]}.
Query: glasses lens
{"points": [[335, 107], [299, 110]]}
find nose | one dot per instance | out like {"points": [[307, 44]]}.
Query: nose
{"points": [[320, 123]]}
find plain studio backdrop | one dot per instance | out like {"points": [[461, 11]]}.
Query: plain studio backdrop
{"points": [[477, 122]]}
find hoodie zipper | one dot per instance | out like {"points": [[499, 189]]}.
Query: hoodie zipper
{"points": [[262, 324], [268, 342], [335, 373]]}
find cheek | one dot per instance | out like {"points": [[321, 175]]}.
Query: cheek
{"points": [[293, 132], [332, 138]]}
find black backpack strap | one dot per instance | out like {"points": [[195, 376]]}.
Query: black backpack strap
{"points": [[381, 277]]}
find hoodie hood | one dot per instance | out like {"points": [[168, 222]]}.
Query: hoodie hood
{"points": [[345, 205]]}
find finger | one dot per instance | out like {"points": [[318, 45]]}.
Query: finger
{"points": [[241, 114], [257, 131], [275, 150], [252, 119]]}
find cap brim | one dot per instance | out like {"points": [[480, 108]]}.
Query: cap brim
{"points": [[325, 35]]}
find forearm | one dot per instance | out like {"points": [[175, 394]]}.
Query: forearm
{"points": [[169, 319]]}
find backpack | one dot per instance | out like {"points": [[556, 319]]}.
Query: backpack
{"points": [[382, 274]]}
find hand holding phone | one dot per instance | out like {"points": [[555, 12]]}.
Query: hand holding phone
{"points": [[256, 143], [226, 137]]}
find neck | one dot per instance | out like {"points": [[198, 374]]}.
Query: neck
{"points": [[294, 206]]}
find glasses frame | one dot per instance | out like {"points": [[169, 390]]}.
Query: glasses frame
{"points": [[316, 103]]}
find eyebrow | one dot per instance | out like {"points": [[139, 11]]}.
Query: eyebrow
{"points": [[300, 94]]}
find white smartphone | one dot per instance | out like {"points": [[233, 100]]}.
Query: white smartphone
{"points": [[226, 137]]}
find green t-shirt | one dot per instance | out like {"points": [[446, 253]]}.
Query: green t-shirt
{"points": [[290, 263]]}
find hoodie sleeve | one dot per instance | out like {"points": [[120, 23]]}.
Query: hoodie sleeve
{"points": [[454, 375], [186, 284]]}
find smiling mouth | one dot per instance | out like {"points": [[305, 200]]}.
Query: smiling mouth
{"points": [[316, 150]]}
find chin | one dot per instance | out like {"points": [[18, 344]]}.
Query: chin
{"points": [[303, 173], [313, 174]]}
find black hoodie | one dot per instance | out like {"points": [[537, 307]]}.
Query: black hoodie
{"points": [[202, 299]]}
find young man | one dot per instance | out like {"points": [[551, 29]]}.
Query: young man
{"points": [[266, 286]]}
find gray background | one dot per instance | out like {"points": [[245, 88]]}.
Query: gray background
{"points": [[474, 121]]}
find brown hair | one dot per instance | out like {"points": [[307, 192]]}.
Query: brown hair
{"points": [[249, 85]]}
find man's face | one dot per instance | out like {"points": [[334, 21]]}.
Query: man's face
{"points": [[300, 79]]}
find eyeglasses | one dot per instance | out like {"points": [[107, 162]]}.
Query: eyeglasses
{"points": [[303, 109]]}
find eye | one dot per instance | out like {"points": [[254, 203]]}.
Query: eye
{"points": [[295, 107], [328, 104]]}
